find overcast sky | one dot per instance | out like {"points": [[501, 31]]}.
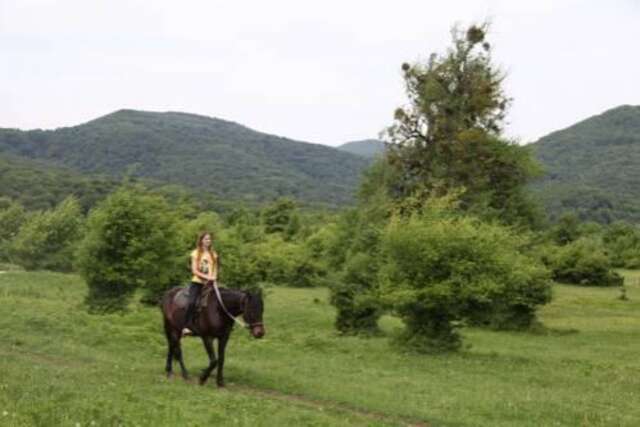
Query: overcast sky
{"points": [[323, 71]]}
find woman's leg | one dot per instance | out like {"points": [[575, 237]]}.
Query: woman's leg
{"points": [[194, 292]]}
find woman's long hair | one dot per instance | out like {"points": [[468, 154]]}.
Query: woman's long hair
{"points": [[200, 250]]}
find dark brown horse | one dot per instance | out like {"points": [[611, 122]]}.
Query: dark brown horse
{"points": [[213, 322]]}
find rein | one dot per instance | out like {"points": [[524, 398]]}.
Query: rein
{"points": [[224, 308]]}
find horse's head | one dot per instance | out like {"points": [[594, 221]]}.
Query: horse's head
{"points": [[252, 313]]}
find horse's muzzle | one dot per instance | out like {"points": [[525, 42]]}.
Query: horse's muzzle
{"points": [[258, 331]]}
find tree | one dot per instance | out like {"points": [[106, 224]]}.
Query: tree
{"points": [[354, 296], [584, 262], [132, 241], [11, 219], [442, 268], [566, 230], [281, 217], [354, 252], [622, 241], [449, 136], [426, 240], [46, 240]]}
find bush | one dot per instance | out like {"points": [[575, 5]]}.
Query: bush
{"points": [[340, 236], [354, 292], [238, 266], [583, 262], [46, 240], [566, 230], [11, 219], [130, 243], [440, 270], [353, 295], [282, 217], [281, 262], [622, 242], [275, 260]]}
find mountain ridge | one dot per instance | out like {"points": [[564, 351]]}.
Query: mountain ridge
{"points": [[591, 167], [225, 157], [369, 148]]}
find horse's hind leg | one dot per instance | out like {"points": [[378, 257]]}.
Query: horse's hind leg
{"points": [[208, 345], [169, 367], [169, 364]]}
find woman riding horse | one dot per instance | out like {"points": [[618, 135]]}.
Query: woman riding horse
{"points": [[204, 269], [221, 310]]}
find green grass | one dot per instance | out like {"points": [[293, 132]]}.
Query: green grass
{"points": [[62, 366]]}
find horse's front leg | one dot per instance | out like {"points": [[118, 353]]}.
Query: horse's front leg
{"points": [[222, 344], [177, 351], [208, 345]]}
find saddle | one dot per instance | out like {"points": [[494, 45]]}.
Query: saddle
{"points": [[183, 296]]}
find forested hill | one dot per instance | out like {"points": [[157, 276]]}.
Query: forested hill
{"points": [[230, 160], [591, 168], [38, 185], [367, 147]]}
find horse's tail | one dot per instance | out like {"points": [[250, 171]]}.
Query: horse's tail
{"points": [[167, 308]]}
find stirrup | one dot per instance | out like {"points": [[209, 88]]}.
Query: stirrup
{"points": [[186, 332]]}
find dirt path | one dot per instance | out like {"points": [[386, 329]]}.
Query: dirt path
{"points": [[323, 405]]}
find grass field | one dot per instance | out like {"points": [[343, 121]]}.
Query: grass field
{"points": [[62, 366]]}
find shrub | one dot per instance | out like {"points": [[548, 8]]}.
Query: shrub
{"points": [[354, 291], [275, 260], [566, 230], [622, 242], [130, 243], [317, 244], [285, 263], [281, 217], [46, 240], [11, 219], [340, 238], [583, 262], [316, 249], [353, 295], [440, 270], [238, 266]]}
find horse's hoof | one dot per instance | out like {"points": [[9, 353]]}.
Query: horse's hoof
{"points": [[202, 381], [220, 384], [169, 375]]}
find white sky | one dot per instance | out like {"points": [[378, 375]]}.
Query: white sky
{"points": [[322, 71]]}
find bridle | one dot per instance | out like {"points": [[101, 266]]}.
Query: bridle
{"points": [[235, 319]]}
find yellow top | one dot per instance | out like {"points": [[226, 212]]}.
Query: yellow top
{"points": [[207, 264]]}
